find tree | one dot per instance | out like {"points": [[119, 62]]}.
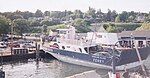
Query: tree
{"points": [[78, 14], [27, 14], [78, 22], [15, 16], [111, 28], [4, 25], [123, 16], [113, 15], [46, 13], [38, 13], [35, 23], [44, 29], [100, 16], [50, 23], [108, 16], [56, 14], [21, 26], [91, 12], [117, 19], [130, 18], [81, 25]]}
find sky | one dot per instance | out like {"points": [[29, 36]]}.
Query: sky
{"points": [[61, 5]]}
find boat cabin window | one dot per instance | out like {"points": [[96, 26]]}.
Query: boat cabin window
{"points": [[63, 47], [68, 46], [99, 36], [148, 43], [92, 49], [62, 32], [80, 50], [140, 43]]}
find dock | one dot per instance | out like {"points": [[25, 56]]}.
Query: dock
{"points": [[87, 74], [7, 51]]}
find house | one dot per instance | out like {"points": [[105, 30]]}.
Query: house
{"points": [[139, 38]]}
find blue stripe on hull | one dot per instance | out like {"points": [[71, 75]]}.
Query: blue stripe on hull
{"points": [[127, 56], [85, 57]]}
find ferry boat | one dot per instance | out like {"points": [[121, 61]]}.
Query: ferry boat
{"points": [[87, 53]]}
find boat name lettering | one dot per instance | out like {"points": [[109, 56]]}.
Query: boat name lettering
{"points": [[98, 60]]}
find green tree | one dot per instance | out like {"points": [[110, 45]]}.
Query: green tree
{"points": [[123, 16], [130, 18], [113, 15], [27, 14], [4, 25], [46, 13], [21, 26], [35, 23], [111, 29], [108, 16], [38, 13], [117, 19], [78, 14], [50, 23], [81, 25], [100, 16], [44, 29], [78, 22], [91, 12], [55, 14]]}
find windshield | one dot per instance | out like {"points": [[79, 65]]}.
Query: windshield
{"points": [[93, 49]]}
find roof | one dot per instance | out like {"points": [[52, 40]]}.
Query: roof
{"points": [[141, 33]]}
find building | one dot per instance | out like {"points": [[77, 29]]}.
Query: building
{"points": [[132, 38]]}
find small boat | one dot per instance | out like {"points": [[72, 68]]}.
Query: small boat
{"points": [[88, 54]]}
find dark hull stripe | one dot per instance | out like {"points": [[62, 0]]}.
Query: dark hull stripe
{"points": [[127, 56], [84, 57]]}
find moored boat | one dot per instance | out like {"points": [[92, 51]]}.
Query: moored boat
{"points": [[89, 53], [96, 57]]}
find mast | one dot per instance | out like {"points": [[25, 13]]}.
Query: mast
{"points": [[140, 60]]}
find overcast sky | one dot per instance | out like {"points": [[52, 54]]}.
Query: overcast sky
{"points": [[61, 5]]}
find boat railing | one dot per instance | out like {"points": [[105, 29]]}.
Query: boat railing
{"points": [[81, 42]]}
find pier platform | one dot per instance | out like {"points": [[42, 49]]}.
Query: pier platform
{"points": [[7, 51], [88, 74]]}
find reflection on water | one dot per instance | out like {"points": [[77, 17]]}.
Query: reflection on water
{"points": [[46, 69]]}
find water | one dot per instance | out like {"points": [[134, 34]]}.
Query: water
{"points": [[46, 69]]}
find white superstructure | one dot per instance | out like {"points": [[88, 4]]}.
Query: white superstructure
{"points": [[102, 38]]}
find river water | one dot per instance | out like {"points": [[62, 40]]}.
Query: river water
{"points": [[47, 68]]}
